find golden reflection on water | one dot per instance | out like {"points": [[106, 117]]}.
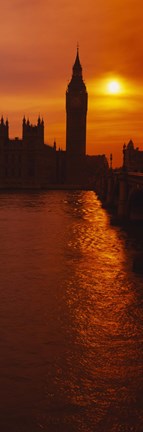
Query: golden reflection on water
{"points": [[101, 297]]}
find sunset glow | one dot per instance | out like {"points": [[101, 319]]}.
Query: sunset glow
{"points": [[37, 59], [114, 87]]}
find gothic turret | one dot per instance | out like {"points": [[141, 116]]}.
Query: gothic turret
{"points": [[33, 135], [4, 131]]}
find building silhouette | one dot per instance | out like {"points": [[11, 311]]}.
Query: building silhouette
{"points": [[26, 162], [133, 157], [30, 163], [81, 169], [76, 110]]}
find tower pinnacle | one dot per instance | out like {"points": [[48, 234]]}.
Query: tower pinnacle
{"points": [[77, 69]]}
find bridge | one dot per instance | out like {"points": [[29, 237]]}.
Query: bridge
{"points": [[125, 194]]}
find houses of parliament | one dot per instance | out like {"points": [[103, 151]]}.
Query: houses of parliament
{"points": [[29, 163]]}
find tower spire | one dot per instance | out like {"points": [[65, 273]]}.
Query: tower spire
{"points": [[77, 68], [76, 109]]}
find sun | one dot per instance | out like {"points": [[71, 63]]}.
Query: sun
{"points": [[113, 87]]}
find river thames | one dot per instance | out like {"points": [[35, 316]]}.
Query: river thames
{"points": [[71, 321]]}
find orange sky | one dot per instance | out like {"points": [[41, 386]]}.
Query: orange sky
{"points": [[38, 41]]}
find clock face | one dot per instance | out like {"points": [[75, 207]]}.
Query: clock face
{"points": [[76, 102]]}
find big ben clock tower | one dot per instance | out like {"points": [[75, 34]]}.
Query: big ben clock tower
{"points": [[76, 110]]}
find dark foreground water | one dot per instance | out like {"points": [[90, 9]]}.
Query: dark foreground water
{"points": [[71, 321]]}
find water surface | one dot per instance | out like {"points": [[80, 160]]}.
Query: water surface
{"points": [[71, 326]]}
